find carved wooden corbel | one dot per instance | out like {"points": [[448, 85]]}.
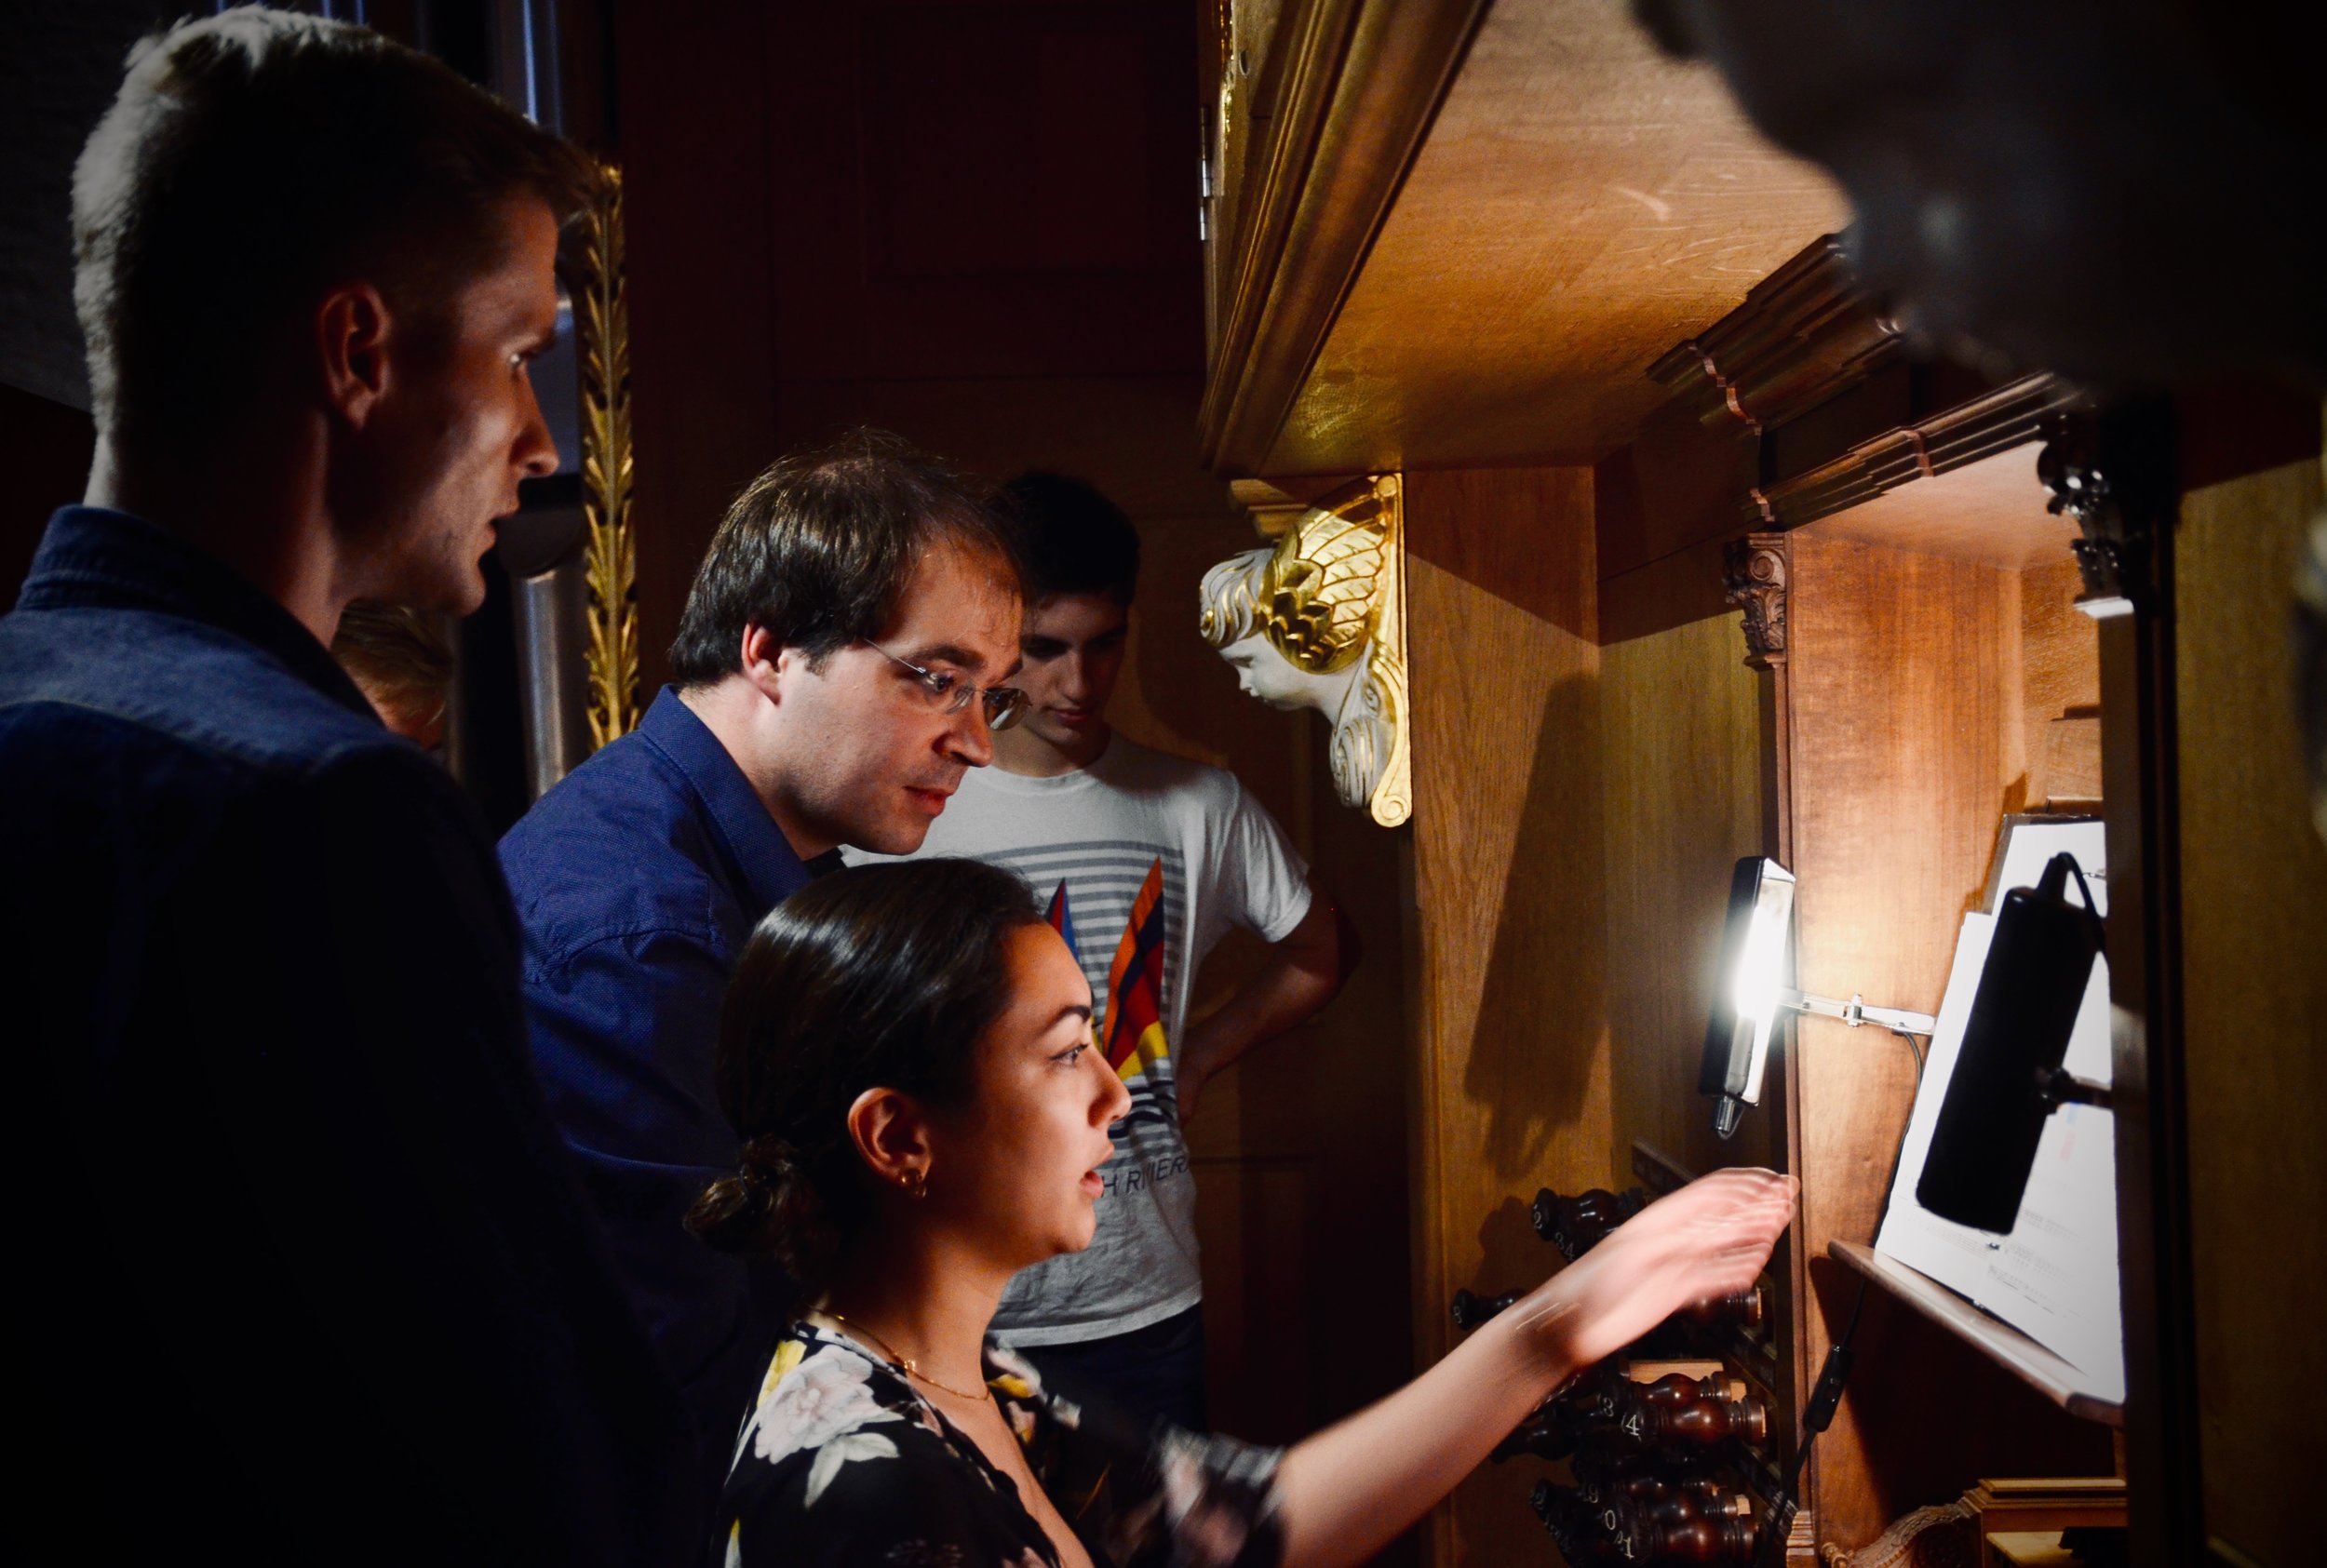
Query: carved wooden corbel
{"points": [[2116, 491], [1755, 573]]}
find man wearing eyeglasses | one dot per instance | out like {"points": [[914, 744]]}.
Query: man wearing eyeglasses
{"points": [[840, 666]]}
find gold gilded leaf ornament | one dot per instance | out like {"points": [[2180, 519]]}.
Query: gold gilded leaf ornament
{"points": [[610, 556]]}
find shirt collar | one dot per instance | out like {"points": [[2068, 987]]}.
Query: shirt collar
{"points": [[93, 557], [771, 870]]}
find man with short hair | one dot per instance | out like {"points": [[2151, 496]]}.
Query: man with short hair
{"points": [[1144, 861], [839, 670], [302, 1272]]}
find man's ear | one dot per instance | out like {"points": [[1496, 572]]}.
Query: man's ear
{"points": [[765, 662], [352, 332], [892, 1138]]}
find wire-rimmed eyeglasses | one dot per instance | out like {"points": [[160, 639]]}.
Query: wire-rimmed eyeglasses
{"points": [[949, 693]]}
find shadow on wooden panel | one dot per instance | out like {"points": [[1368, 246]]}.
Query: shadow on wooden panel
{"points": [[1522, 534], [1682, 723], [1510, 1011], [1537, 1055]]}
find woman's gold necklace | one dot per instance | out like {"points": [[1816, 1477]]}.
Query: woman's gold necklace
{"points": [[904, 1364]]}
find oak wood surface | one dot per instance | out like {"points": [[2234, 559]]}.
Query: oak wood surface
{"points": [[1352, 86], [1511, 1074], [1581, 204], [1690, 734], [1908, 687], [1992, 510], [1681, 722], [2060, 690], [2255, 1013]]}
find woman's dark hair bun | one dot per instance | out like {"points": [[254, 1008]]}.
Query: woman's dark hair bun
{"points": [[732, 1215], [770, 1204]]}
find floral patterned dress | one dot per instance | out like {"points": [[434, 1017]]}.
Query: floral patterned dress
{"points": [[841, 1463]]}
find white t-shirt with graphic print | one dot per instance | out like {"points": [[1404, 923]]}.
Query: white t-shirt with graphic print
{"points": [[1222, 861]]}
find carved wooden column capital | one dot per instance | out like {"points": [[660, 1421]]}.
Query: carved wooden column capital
{"points": [[2118, 491], [1755, 573]]}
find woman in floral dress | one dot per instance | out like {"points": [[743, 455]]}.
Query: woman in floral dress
{"points": [[907, 1053]]}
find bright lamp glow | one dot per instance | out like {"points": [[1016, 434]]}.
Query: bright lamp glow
{"points": [[1759, 975], [1752, 982], [1755, 986]]}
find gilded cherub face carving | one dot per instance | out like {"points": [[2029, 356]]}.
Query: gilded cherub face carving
{"points": [[1263, 673], [1314, 622]]}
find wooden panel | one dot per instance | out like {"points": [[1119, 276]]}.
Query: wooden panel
{"points": [[1681, 721], [1900, 718], [1581, 204], [1898, 713], [984, 191], [1689, 732], [1325, 1259], [1127, 435], [2253, 929], [2060, 690], [1907, 736], [1259, 1212], [1512, 1054], [1681, 588], [1515, 541], [1065, 141], [1991, 511]]}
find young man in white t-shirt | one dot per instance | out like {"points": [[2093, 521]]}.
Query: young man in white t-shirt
{"points": [[1144, 861]]}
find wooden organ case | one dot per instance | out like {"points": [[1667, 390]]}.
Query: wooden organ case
{"points": [[1702, 563]]}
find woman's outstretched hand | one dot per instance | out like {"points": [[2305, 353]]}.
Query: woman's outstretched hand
{"points": [[1345, 1493], [1708, 1239]]}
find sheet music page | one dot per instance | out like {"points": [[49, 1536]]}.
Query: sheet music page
{"points": [[2054, 1278], [2031, 844]]}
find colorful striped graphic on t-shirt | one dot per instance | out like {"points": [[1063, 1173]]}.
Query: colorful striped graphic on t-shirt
{"points": [[1133, 1033]]}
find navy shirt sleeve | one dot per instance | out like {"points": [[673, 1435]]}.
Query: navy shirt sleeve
{"points": [[638, 881], [623, 1029]]}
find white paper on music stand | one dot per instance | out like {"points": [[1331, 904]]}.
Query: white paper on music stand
{"points": [[2028, 845], [2054, 1278]]}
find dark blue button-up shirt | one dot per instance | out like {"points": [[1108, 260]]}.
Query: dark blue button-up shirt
{"points": [[298, 1266], [638, 880]]}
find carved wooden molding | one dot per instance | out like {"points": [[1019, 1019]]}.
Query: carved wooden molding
{"points": [[1803, 334], [1361, 80], [1754, 576], [2011, 415], [1273, 505]]}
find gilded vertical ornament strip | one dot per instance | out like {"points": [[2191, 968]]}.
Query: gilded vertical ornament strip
{"points": [[610, 554]]}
